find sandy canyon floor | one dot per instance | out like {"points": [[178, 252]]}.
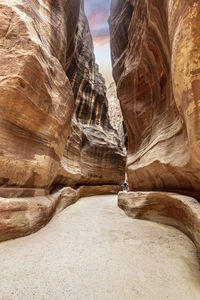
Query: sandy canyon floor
{"points": [[92, 250]]}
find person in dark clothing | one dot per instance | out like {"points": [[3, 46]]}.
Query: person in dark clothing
{"points": [[125, 186]]}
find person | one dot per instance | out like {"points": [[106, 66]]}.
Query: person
{"points": [[125, 186]]}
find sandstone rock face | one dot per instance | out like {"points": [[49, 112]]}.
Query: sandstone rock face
{"points": [[115, 113], [93, 153], [156, 66], [36, 98], [48, 77], [47, 64], [180, 211], [20, 217]]}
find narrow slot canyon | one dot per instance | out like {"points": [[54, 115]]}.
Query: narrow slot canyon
{"points": [[71, 135]]}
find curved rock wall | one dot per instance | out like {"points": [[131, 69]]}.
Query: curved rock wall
{"points": [[47, 64], [156, 66], [48, 77], [93, 153], [36, 98], [115, 114], [176, 210]]}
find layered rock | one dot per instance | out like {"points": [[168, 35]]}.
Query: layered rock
{"points": [[155, 53], [93, 153], [115, 114], [48, 76], [47, 65], [36, 98]]}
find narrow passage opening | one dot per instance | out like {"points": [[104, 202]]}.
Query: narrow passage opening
{"points": [[97, 12]]}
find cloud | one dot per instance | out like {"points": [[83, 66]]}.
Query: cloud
{"points": [[100, 32], [98, 18], [97, 12], [93, 5], [101, 41]]}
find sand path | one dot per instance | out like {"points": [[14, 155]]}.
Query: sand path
{"points": [[93, 251]]}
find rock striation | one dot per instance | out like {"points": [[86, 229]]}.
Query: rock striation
{"points": [[54, 126], [94, 152], [47, 78], [115, 114], [36, 98], [156, 66]]}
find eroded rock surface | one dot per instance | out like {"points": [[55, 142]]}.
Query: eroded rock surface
{"points": [[48, 76], [93, 152], [180, 211], [36, 98], [115, 114], [47, 65], [156, 66], [25, 215]]}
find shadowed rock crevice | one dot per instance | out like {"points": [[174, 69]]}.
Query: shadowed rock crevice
{"points": [[93, 152]]}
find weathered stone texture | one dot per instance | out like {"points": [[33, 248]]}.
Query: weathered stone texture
{"points": [[93, 152], [47, 64], [115, 113], [180, 211], [156, 66], [48, 76], [36, 99], [20, 217]]}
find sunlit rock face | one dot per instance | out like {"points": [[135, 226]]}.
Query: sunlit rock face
{"points": [[93, 152], [47, 66], [115, 113], [156, 66], [48, 77], [36, 98]]}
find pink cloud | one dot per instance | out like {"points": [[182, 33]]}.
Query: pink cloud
{"points": [[101, 41], [98, 18]]}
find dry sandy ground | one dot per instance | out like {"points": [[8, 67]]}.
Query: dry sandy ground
{"points": [[92, 250]]}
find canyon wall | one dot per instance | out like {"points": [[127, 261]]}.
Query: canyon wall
{"points": [[36, 98], [115, 114], [93, 152], [55, 130], [156, 66], [48, 76]]}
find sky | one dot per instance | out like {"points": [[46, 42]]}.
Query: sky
{"points": [[97, 12]]}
